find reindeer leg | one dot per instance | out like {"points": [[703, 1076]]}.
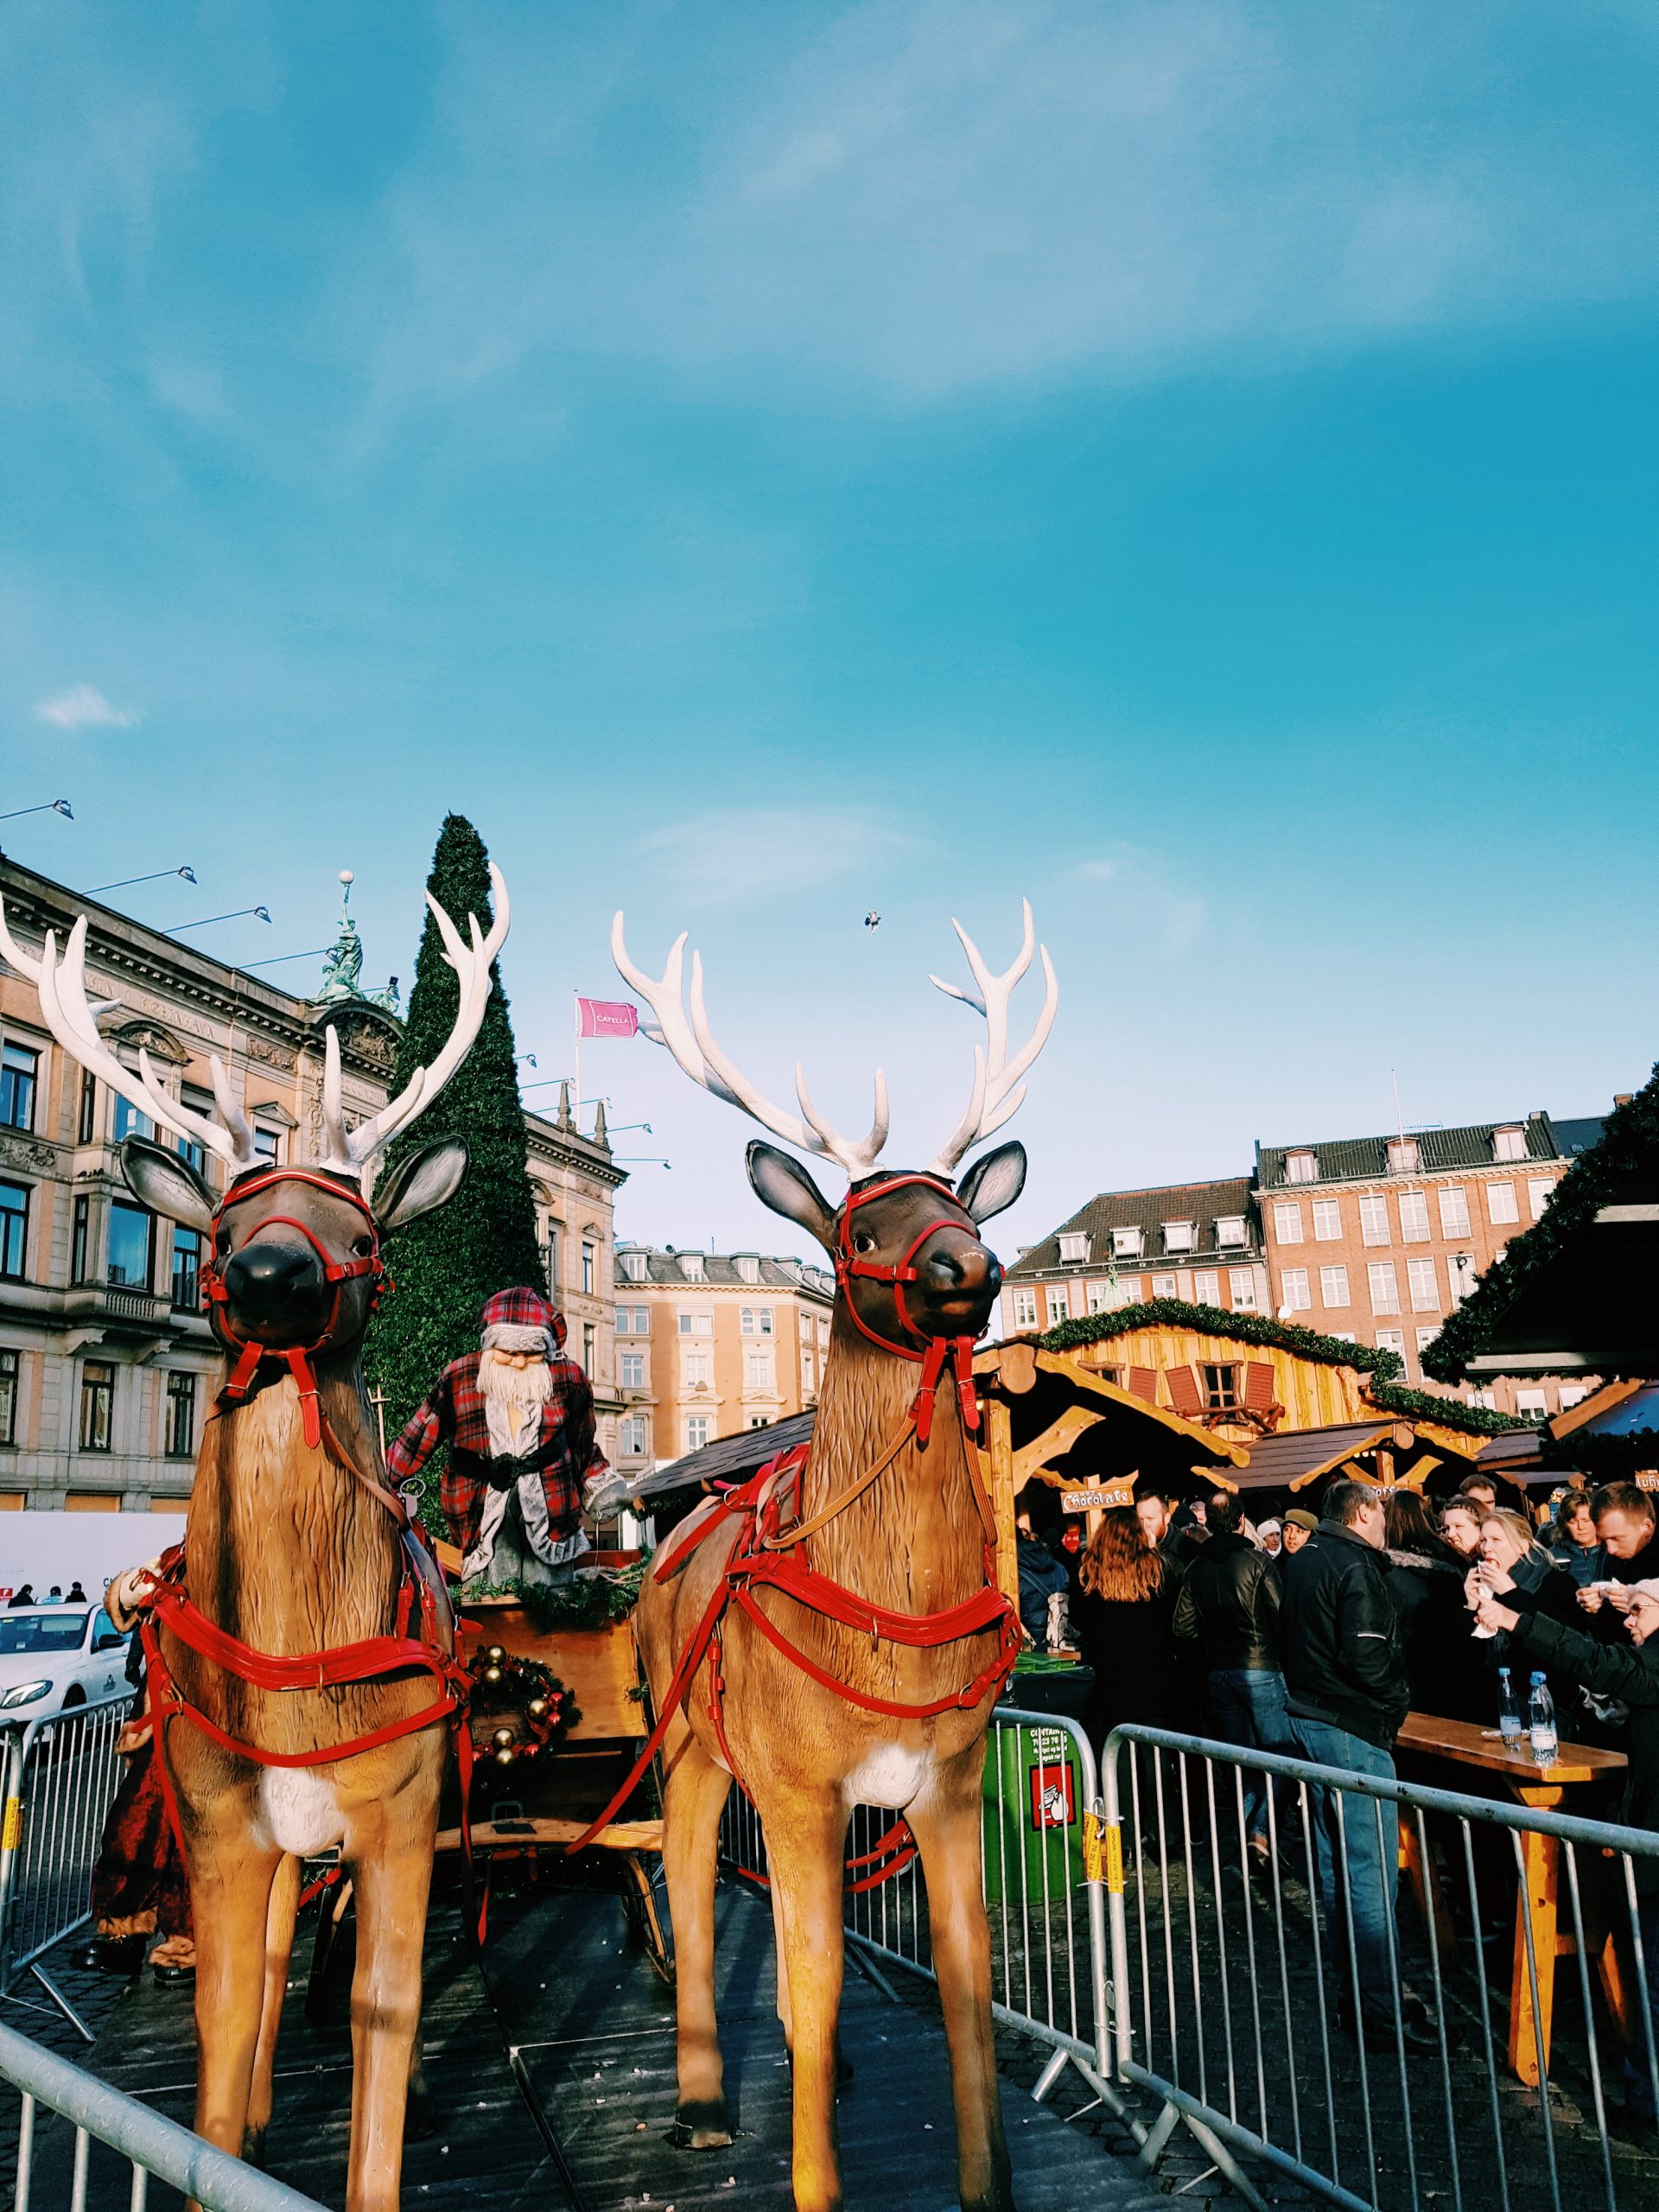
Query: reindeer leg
{"points": [[393, 1883], [781, 1945], [805, 1838], [280, 1915], [230, 1896], [947, 1828], [693, 1800]]}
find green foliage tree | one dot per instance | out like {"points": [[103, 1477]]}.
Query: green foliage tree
{"points": [[447, 1265]]}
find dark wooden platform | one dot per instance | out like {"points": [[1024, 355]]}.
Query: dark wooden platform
{"points": [[594, 2027]]}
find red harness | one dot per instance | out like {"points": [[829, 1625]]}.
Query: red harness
{"points": [[935, 1350]]}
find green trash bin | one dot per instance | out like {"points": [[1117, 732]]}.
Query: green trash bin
{"points": [[1032, 1815]]}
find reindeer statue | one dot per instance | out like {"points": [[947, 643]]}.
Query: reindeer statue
{"points": [[301, 1650], [833, 1635]]}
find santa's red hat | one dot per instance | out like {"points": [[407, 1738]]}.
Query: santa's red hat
{"points": [[523, 1308]]}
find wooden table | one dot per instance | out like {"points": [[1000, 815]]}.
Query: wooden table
{"points": [[1544, 1788]]}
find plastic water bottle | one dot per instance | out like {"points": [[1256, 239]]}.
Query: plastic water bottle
{"points": [[1509, 1712], [1541, 1711]]}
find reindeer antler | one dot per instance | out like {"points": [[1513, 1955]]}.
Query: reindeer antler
{"points": [[61, 983], [998, 1092], [348, 1151], [693, 1047]]}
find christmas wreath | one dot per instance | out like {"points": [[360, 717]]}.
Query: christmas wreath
{"points": [[519, 1708]]}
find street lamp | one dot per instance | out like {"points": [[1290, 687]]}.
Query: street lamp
{"points": [[188, 874], [46, 806], [207, 920]]}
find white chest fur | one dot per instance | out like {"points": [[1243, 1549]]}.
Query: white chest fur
{"points": [[299, 1811], [891, 1776]]}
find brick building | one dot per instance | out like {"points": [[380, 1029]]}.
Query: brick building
{"points": [[707, 1345], [1201, 1241]]}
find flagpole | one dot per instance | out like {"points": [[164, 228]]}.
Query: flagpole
{"points": [[575, 1008]]}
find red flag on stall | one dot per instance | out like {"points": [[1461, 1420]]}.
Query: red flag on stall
{"points": [[607, 1017]]}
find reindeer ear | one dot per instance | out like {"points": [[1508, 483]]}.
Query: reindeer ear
{"points": [[784, 1186], [426, 1180], [167, 1184], [993, 1183]]}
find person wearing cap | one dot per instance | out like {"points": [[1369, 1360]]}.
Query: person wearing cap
{"points": [[1271, 1537], [518, 1420], [1630, 1673], [1300, 1525]]}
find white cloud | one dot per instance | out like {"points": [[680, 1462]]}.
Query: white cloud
{"points": [[741, 852], [84, 707], [1145, 895]]}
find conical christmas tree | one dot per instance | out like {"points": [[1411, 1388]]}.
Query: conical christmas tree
{"points": [[447, 1265]]}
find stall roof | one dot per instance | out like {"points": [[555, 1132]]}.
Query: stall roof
{"points": [[1298, 1457]]}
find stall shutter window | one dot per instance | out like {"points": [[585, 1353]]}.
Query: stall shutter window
{"points": [[1143, 1383], [1186, 1393], [1258, 1386]]}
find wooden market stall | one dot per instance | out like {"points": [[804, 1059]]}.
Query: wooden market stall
{"points": [[1389, 1452]]}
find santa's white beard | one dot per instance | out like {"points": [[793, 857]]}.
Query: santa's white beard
{"points": [[514, 1398]]}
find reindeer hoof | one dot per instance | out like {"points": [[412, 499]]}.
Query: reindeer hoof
{"points": [[253, 2147], [705, 2125]]}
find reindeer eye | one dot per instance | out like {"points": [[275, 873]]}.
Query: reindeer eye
{"points": [[363, 1246], [222, 1242], [863, 1242]]}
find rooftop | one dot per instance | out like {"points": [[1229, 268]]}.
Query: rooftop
{"points": [[1203, 1204], [651, 1265], [1365, 1160]]}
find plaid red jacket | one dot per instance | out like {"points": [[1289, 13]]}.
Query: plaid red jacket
{"points": [[565, 1453]]}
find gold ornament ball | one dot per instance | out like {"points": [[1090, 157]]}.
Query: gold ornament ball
{"points": [[501, 1735], [492, 1673], [539, 1707], [504, 1758], [495, 1654]]}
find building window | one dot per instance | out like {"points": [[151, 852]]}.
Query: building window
{"points": [[1425, 1338], [1126, 1243], [696, 1370], [193, 1154], [754, 1321], [1302, 1167], [587, 1269], [1327, 1221], [696, 1321], [1385, 1291], [1455, 1210], [633, 1320], [80, 1238], [1230, 1230], [550, 1253], [14, 1231], [588, 1347], [1572, 1394], [1509, 1144], [1500, 1202], [1483, 1397], [1293, 1283], [807, 1385], [132, 1240], [1532, 1405], [97, 1404], [268, 1147], [1177, 1237], [691, 1267], [181, 1416], [187, 1270], [1165, 1286], [1333, 1287], [758, 1371], [630, 1367], [634, 1436], [19, 1074], [1288, 1222], [1538, 1192], [10, 1364], [1097, 1297], [696, 1432], [1373, 1218], [1393, 1341], [1220, 1388], [1241, 1284], [1404, 1157], [1425, 1286], [1413, 1217], [1058, 1298], [1206, 1288], [1459, 1276], [1074, 1250], [1023, 1305], [86, 1126], [129, 1122]]}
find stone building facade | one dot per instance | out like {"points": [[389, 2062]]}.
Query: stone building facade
{"points": [[106, 1365], [710, 1343]]}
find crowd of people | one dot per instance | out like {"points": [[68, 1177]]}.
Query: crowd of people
{"points": [[1313, 1635], [24, 1595]]}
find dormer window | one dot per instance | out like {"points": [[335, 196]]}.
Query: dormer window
{"points": [[1126, 1243], [1509, 1144], [1302, 1167], [691, 1267], [1074, 1249], [747, 1265], [1404, 1158], [1230, 1230], [633, 1265], [1177, 1237]]}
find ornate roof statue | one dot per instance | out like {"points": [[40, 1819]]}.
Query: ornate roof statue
{"points": [[342, 969]]}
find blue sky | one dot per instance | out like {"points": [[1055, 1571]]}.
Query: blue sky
{"points": [[1191, 463]]}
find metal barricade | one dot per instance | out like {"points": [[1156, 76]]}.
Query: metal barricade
{"points": [[116, 2140], [1288, 2005], [1045, 1893], [61, 1777]]}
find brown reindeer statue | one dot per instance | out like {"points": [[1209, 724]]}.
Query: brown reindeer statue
{"points": [[301, 1650], [834, 1635]]}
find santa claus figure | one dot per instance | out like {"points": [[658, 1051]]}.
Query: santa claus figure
{"points": [[518, 1420]]}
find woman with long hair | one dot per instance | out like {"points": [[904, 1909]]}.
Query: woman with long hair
{"points": [[1425, 1584], [1121, 1622]]}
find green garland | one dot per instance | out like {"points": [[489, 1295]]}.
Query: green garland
{"points": [[596, 1600], [1382, 1367], [1619, 1166]]}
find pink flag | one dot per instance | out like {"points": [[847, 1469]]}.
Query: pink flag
{"points": [[608, 1018]]}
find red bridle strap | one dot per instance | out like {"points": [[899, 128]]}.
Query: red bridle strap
{"points": [[936, 1350]]}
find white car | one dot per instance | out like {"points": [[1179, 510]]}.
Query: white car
{"points": [[55, 1657]]}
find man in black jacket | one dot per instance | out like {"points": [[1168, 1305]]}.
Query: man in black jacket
{"points": [[1228, 1605], [1347, 1693]]}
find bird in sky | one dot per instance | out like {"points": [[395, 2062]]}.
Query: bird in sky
{"points": [[872, 920]]}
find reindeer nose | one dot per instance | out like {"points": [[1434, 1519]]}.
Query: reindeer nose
{"points": [[264, 1282], [964, 1271]]}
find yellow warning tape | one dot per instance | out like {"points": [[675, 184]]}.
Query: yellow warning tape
{"points": [[11, 1833]]}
